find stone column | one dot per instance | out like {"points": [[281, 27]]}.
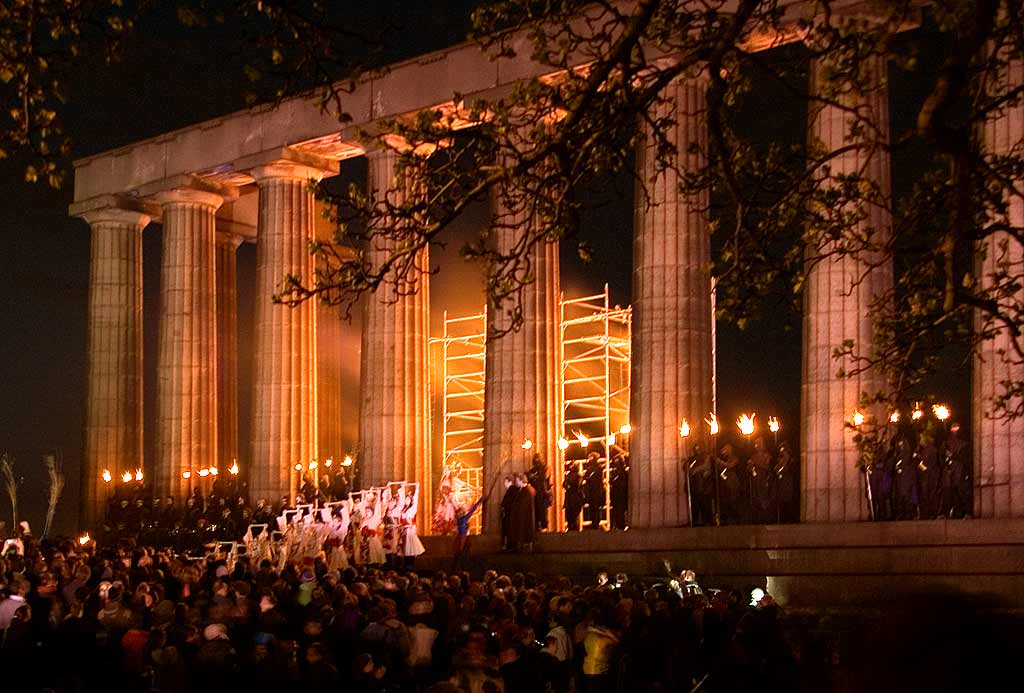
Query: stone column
{"points": [[113, 407], [522, 385], [838, 294], [328, 337], [227, 348], [394, 429], [186, 388], [998, 444], [284, 367], [671, 363]]}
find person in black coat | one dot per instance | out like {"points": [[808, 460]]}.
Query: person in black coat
{"points": [[593, 488], [618, 481], [572, 487]]}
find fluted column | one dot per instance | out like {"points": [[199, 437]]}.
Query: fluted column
{"points": [[998, 443], [522, 385], [284, 367], [186, 388], [838, 295], [113, 407], [671, 362], [227, 347], [394, 428], [329, 411]]}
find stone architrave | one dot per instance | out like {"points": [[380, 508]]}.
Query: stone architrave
{"points": [[394, 428], [114, 401], [998, 443], [284, 413], [522, 384], [227, 348], [672, 368], [838, 295], [186, 388]]}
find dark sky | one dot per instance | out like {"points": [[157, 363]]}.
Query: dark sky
{"points": [[170, 78]]}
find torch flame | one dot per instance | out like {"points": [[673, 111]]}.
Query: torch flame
{"points": [[917, 413], [611, 439], [298, 466], [563, 444], [894, 417], [214, 471], [526, 444], [126, 477], [84, 539], [233, 468], [313, 464], [684, 429], [328, 462], [106, 476], [941, 411], [204, 472], [347, 462], [773, 424], [186, 474], [712, 423], [746, 423], [625, 429], [138, 475], [583, 440], [858, 418]]}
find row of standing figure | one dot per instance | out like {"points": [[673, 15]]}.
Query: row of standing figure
{"points": [[587, 493], [920, 474], [726, 489], [376, 526]]}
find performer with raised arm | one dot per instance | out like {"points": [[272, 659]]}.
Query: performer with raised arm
{"points": [[371, 549], [409, 544]]}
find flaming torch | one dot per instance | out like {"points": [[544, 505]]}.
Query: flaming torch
{"points": [[941, 411], [774, 426], [347, 462], [894, 417], [84, 539], [526, 444], [233, 469], [712, 423], [917, 414], [858, 418], [684, 429], [186, 474], [563, 444], [138, 475], [126, 477], [746, 424], [583, 441], [106, 476]]}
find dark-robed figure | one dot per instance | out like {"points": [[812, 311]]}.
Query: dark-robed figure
{"points": [[538, 478], [593, 488], [522, 526], [618, 482], [957, 494], [701, 478], [572, 487]]}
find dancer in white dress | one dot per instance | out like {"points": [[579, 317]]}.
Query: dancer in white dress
{"points": [[371, 549], [409, 544]]}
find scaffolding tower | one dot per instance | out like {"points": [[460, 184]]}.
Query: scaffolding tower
{"points": [[463, 351], [595, 382]]}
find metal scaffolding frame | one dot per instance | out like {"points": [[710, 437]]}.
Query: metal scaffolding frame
{"points": [[463, 353], [596, 341]]}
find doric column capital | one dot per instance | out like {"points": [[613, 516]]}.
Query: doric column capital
{"points": [[189, 196], [227, 239], [115, 215], [287, 170]]}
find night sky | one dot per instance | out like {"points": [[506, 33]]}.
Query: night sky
{"points": [[170, 78]]}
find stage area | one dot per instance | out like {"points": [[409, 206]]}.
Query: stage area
{"points": [[808, 565]]}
